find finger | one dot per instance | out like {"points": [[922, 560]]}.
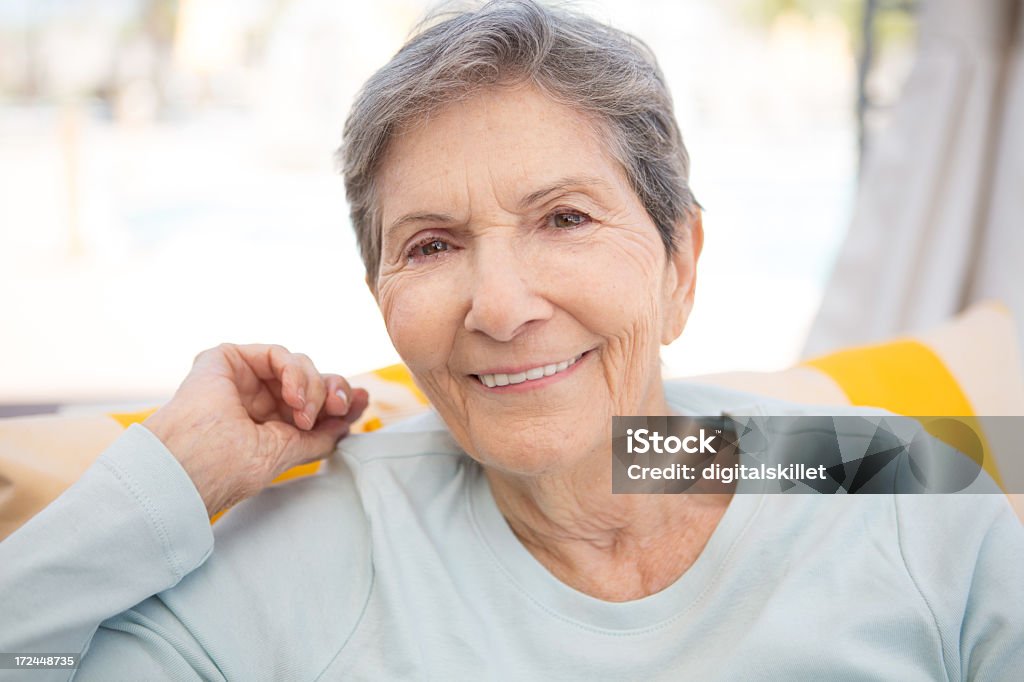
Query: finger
{"points": [[271, 362], [302, 388], [293, 370], [339, 395], [317, 443], [360, 399], [293, 387], [300, 371]]}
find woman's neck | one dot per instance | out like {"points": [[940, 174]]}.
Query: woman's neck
{"points": [[613, 547]]}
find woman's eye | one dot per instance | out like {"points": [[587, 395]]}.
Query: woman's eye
{"points": [[567, 220], [428, 248]]}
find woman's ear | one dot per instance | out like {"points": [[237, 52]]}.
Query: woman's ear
{"points": [[681, 278]]}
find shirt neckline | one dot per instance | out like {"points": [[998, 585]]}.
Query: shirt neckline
{"points": [[546, 591]]}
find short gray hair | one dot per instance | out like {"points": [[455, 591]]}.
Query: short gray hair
{"points": [[577, 61]]}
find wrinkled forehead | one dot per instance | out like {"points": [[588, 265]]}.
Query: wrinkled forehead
{"points": [[493, 148]]}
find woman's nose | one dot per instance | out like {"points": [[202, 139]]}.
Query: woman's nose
{"points": [[505, 298]]}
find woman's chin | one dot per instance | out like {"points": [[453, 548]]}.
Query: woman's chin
{"points": [[537, 457]]}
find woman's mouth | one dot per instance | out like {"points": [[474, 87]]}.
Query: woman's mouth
{"points": [[538, 373]]}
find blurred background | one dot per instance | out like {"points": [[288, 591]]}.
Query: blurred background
{"points": [[167, 182]]}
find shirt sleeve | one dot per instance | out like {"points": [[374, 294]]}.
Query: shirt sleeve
{"points": [[965, 555], [133, 525], [992, 638]]}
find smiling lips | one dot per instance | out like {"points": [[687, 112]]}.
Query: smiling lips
{"points": [[532, 374]]}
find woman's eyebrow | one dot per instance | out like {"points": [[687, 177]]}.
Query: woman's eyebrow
{"points": [[573, 182], [560, 185], [419, 218]]}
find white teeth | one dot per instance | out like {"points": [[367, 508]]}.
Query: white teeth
{"points": [[492, 380]]}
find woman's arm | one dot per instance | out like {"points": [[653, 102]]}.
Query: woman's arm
{"points": [[131, 526], [992, 634], [965, 555], [137, 521]]}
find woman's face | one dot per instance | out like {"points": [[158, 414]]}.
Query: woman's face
{"points": [[512, 247]]}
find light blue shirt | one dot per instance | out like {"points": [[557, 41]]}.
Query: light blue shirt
{"points": [[395, 563]]}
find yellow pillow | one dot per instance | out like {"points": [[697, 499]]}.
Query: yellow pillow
{"points": [[969, 367]]}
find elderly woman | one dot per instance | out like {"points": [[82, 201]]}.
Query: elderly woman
{"points": [[519, 190]]}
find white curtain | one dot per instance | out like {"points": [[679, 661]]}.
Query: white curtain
{"points": [[939, 218]]}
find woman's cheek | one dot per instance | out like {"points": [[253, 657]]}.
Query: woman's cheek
{"points": [[616, 293], [419, 320], [610, 281]]}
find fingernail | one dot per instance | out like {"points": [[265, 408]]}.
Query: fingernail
{"points": [[302, 396], [344, 396], [310, 412]]}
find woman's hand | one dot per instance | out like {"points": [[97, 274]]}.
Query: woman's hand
{"points": [[244, 414]]}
